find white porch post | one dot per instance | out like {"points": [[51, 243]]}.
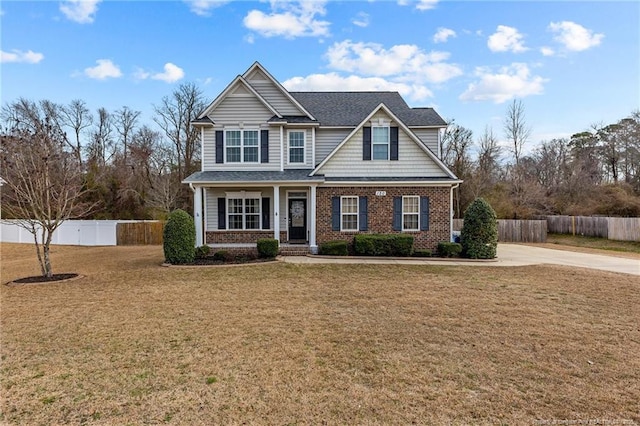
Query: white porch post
{"points": [[276, 212], [197, 215], [312, 219]]}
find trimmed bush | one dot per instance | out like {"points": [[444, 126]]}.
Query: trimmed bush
{"points": [[268, 247], [479, 235], [447, 249], [179, 238], [222, 255], [422, 253], [202, 251], [334, 248], [383, 245]]}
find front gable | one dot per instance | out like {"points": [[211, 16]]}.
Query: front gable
{"points": [[273, 92], [407, 156]]}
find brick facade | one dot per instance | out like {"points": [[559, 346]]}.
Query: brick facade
{"points": [[380, 213], [244, 237]]}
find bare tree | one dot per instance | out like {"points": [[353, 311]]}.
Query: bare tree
{"points": [[77, 116], [101, 145], [125, 120], [43, 182], [516, 129], [174, 116]]}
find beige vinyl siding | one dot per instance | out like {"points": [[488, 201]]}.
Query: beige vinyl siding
{"points": [[209, 149], [412, 161], [272, 94], [327, 140], [240, 108], [429, 137]]}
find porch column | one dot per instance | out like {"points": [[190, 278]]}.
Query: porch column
{"points": [[276, 212], [197, 215], [312, 219]]}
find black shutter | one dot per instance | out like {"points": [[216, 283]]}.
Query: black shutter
{"points": [[397, 213], [424, 213], [394, 143], [366, 143], [266, 213], [264, 146], [219, 146], [363, 213], [335, 213], [222, 213]]}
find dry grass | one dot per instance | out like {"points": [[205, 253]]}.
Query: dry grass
{"points": [[134, 343], [592, 244]]}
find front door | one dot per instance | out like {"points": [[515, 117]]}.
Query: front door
{"points": [[298, 220]]}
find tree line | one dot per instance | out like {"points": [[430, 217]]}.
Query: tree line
{"points": [[593, 172], [126, 169]]}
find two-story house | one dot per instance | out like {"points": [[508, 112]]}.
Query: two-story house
{"points": [[310, 167]]}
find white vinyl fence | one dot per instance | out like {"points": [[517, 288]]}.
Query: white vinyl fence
{"points": [[70, 232]]}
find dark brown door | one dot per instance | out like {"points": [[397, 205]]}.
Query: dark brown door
{"points": [[298, 220]]}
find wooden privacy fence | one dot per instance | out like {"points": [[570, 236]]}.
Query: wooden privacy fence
{"points": [[139, 233], [613, 228], [516, 231]]}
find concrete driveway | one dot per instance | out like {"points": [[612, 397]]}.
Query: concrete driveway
{"points": [[508, 255]]}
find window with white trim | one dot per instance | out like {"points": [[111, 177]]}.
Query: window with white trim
{"points": [[410, 213], [296, 146], [243, 210], [348, 213], [242, 146], [380, 143]]}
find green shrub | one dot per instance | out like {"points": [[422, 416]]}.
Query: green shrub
{"points": [[179, 238], [334, 248], [202, 251], [479, 235], [268, 247], [447, 249], [383, 245], [422, 253], [223, 256]]}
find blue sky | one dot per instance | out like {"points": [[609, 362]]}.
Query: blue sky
{"points": [[573, 64]]}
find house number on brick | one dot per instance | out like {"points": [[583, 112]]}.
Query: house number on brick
{"points": [[381, 193]]}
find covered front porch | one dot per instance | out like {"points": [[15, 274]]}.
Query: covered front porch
{"points": [[233, 210]]}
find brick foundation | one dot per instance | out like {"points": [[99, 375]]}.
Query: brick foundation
{"points": [[236, 237], [380, 213]]}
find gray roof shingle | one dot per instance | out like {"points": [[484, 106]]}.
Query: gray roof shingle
{"points": [[236, 176], [350, 108]]}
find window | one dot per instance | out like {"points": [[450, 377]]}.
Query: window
{"points": [[380, 143], [242, 146], [296, 147], [410, 213], [243, 212], [349, 214]]}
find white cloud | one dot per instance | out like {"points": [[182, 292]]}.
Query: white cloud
{"points": [[105, 69], [171, 74], [289, 19], [443, 34], [140, 74], [361, 20], [28, 57], [510, 82], [335, 82], [506, 39], [80, 11], [547, 51], [426, 4], [406, 62], [204, 7], [574, 36]]}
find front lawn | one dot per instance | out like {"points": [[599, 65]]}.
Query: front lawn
{"points": [[136, 343]]}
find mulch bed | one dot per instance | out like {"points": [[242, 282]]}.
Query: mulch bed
{"points": [[39, 279]]}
